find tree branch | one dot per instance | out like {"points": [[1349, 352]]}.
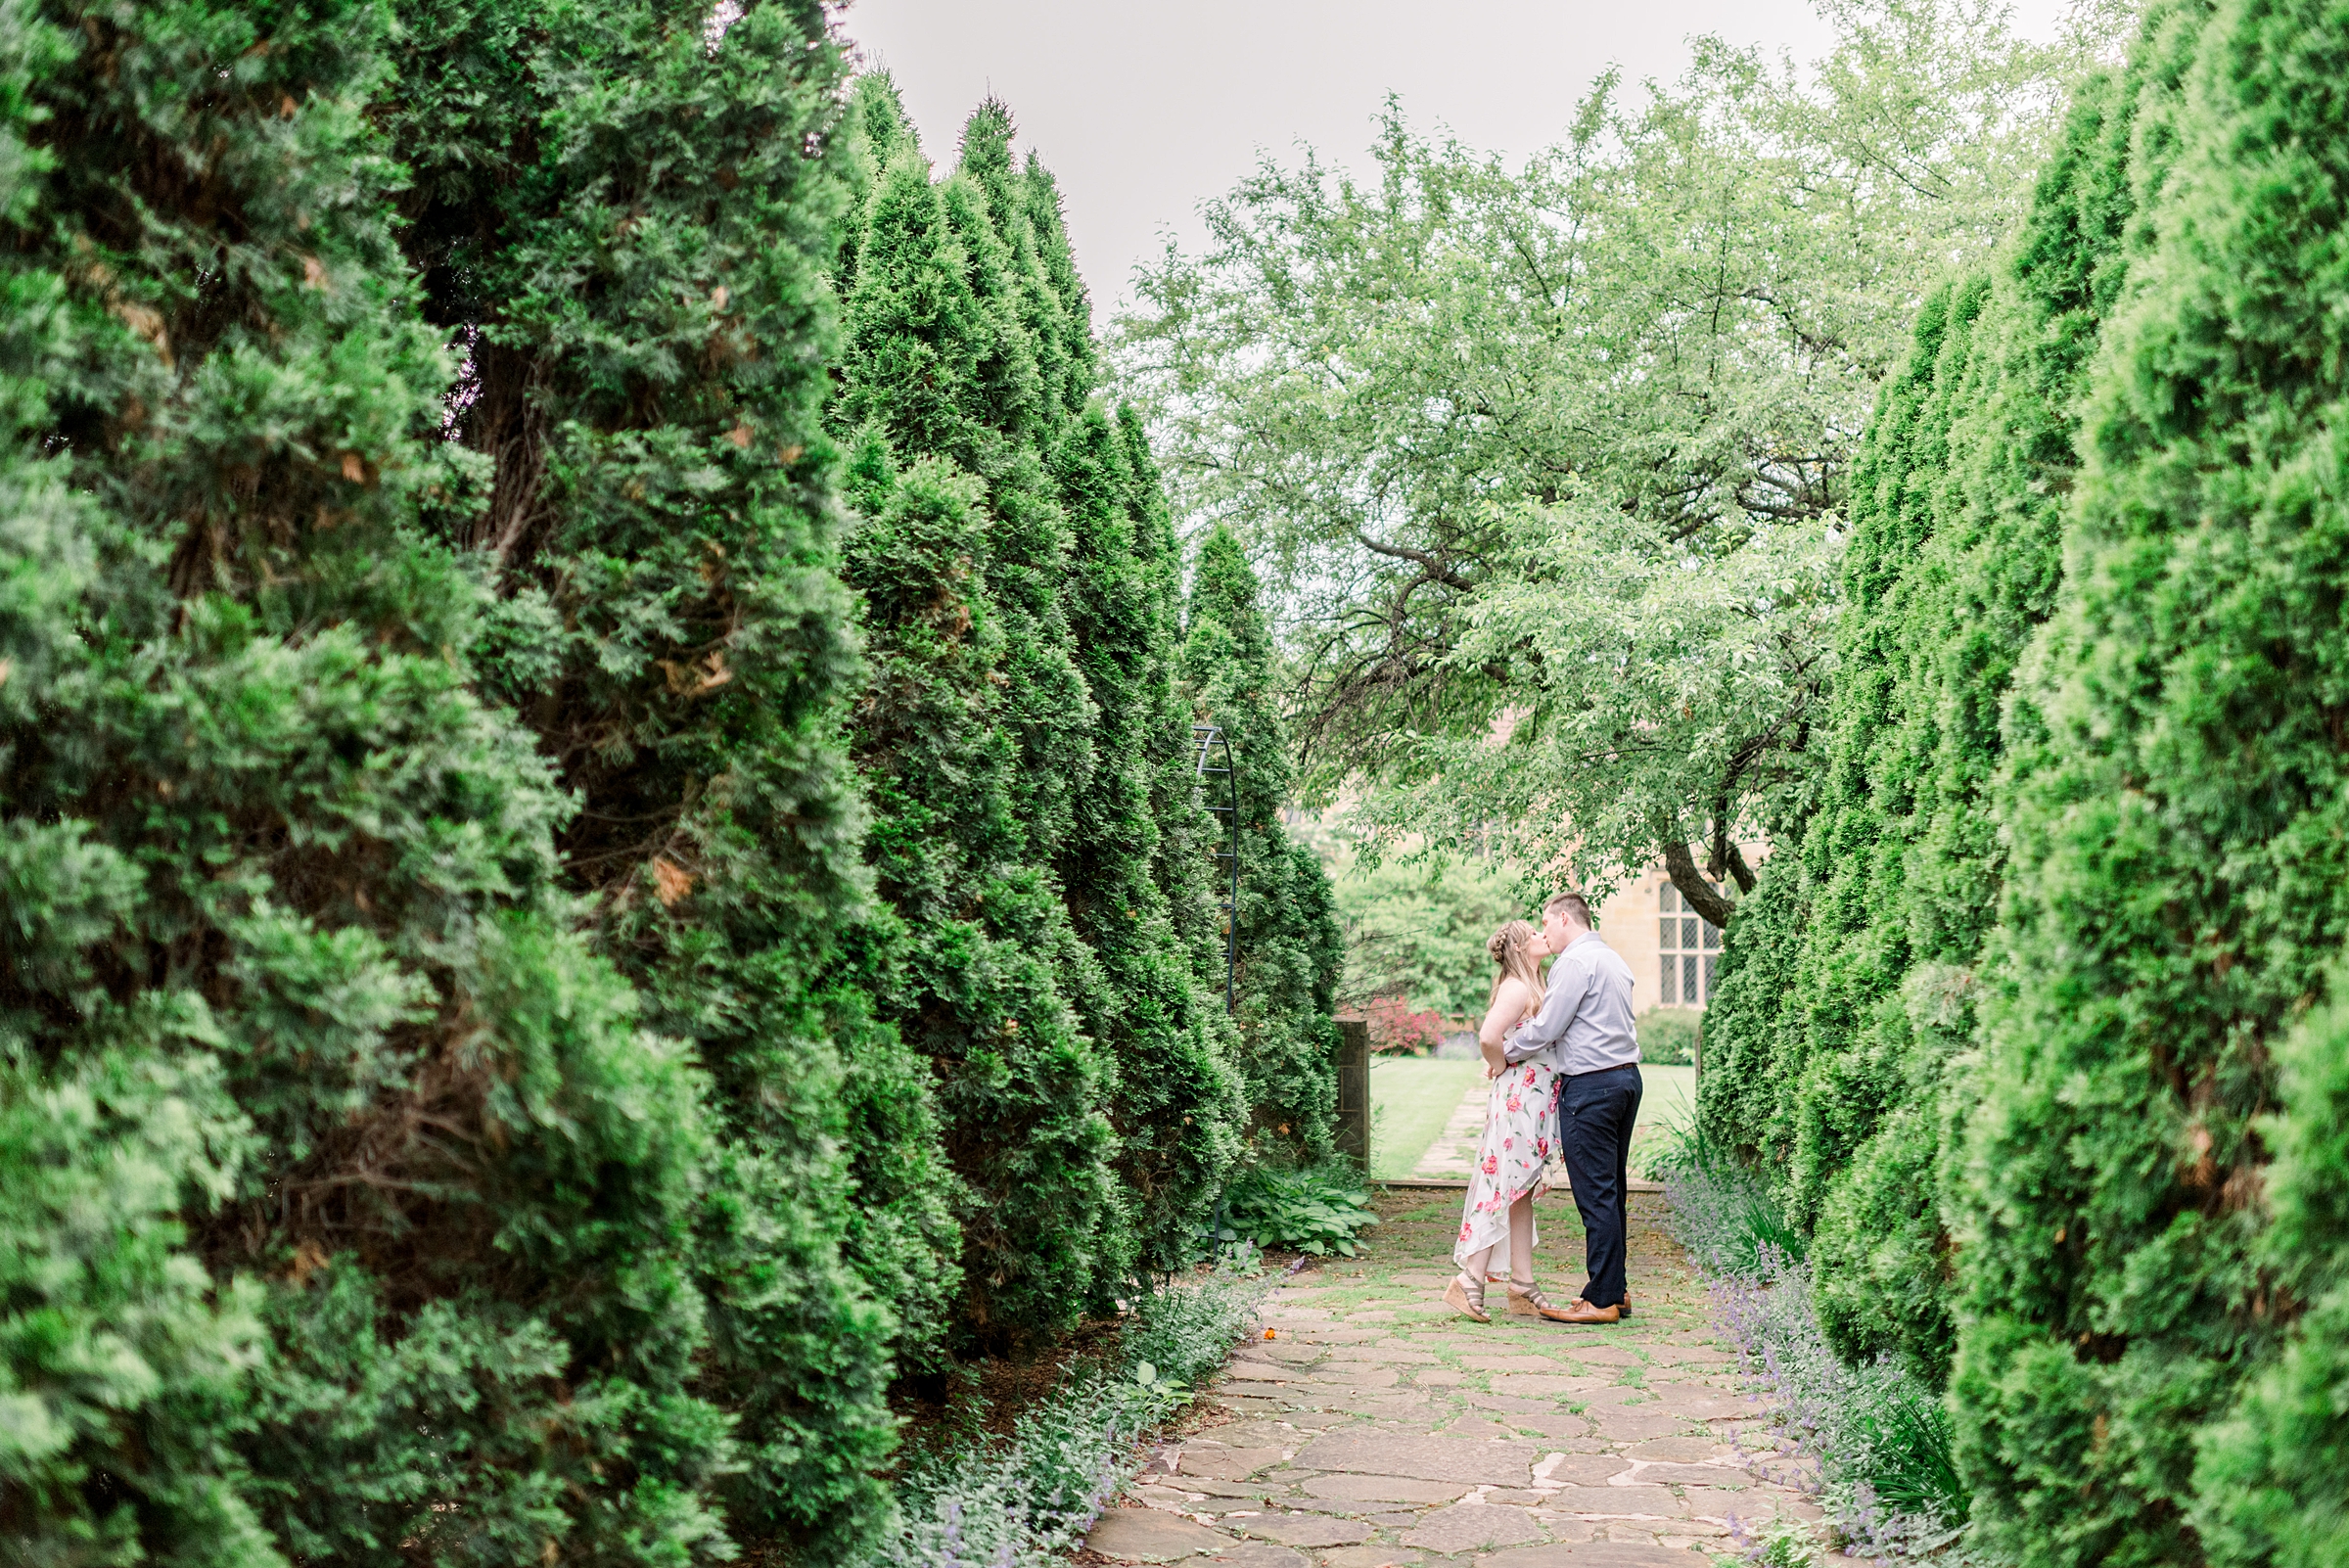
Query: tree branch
{"points": [[1433, 566], [1682, 865]]}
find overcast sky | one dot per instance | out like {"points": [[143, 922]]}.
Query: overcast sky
{"points": [[1143, 110]]}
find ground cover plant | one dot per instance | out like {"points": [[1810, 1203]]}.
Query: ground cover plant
{"points": [[1024, 1500], [1874, 1438], [1317, 1210]]}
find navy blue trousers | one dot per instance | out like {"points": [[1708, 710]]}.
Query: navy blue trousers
{"points": [[1596, 1114]]}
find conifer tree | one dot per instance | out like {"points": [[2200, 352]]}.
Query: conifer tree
{"points": [[1190, 837], [1290, 951], [1177, 1108], [2266, 1479], [398, 1198], [619, 211], [935, 370], [1830, 1055], [2175, 892]]}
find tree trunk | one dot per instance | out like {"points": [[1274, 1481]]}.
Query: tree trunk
{"points": [[1694, 886]]}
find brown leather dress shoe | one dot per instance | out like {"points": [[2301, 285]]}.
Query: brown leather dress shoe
{"points": [[1583, 1312], [1625, 1309]]}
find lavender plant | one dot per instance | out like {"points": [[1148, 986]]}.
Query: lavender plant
{"points": [[1870, 1440]]}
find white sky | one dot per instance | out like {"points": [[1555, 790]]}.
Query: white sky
{"points": [[1143, 110]]}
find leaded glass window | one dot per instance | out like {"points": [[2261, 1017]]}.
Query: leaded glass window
{"points": [[1687, 948]]}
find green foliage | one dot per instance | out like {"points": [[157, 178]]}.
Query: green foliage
{"points": [[1177, 1106], [1953, 560], [1026, 1501], [294, 988], [1023, 740], [1881, 1437], [2090, 640], [1668, 1035], [1741, 1107], [124, 1366], [1732, 1222], [1319, 1209], [1416, 928], [2265, 1478], [2175, 892], [619, 216], [459, 1096], [1290, 950], [1911, 1440], [1624, 546]]}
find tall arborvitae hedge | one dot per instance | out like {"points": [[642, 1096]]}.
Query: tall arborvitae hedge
{"points": [[1834, 1044], [934, 369], [2085, 1156], [623, 218], [352, 1206], [1290, 950], [1036, 834], [518, 1027], [2179, 883]]}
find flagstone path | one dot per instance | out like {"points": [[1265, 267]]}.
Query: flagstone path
{"points": [[1377, 1428]]}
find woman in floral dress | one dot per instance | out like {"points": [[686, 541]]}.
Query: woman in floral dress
{"points": [[1521, 1129]]}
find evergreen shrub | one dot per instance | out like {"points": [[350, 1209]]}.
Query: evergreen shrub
{"points": [[2177, 889], [397, 1196], [1842, 1068], [618, 214], [1291, 950], [2036, 1023], [1668, 1035]]}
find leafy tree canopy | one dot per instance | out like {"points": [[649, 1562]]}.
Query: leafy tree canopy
{"points": [[1550, 460]]}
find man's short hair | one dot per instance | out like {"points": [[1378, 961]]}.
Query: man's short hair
{"points": [[1573, 906]]}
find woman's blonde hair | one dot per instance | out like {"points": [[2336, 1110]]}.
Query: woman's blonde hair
{"points": [[1511, 947]]}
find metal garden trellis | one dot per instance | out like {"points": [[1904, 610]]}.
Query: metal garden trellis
{"points": [[1208, 737]]}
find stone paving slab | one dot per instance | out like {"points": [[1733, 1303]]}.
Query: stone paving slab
{"points": [[1227, 1464], [1379, 1430], [1424, 1459], [1467, 1526], [1589, 1554], [1303, 1529], [1153, 1534], [1384, 1488]]}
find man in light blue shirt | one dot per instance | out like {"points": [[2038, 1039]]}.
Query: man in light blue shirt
{"points": [[1584, 1029]]}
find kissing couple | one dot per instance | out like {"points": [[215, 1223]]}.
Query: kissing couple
{"points": [[1564, 1061]]}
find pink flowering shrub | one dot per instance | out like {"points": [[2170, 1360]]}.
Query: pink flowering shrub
{"points": [[1395, 1027]]}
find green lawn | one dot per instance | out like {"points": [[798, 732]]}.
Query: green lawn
{"points": [[1411, 1098], [1668, 1097]]}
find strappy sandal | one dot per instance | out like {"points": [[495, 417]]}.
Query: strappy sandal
{"points": [[1466, 1299]]}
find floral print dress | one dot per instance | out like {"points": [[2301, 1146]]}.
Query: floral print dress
{"points": [[1521, 1128]]}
